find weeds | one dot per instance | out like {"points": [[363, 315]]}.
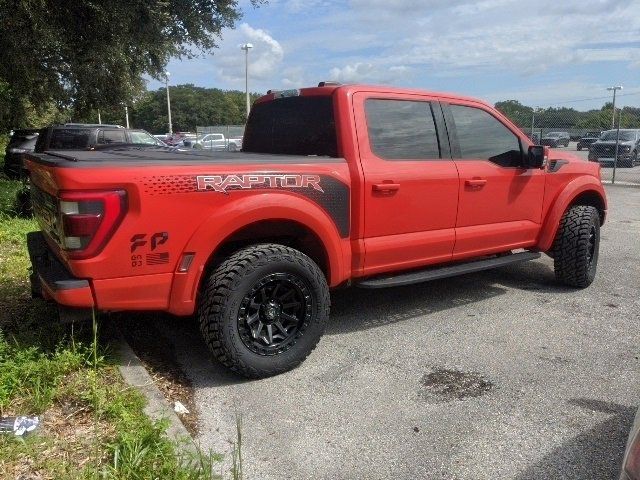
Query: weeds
{"points": [[93, 425]]}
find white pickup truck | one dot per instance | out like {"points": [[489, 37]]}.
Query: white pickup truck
{"points": [[217, 141]]}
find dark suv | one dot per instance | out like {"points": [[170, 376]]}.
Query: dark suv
{"points": [[77, 136], [587, 140], [20, 142], [603, 150], [555, 139]]}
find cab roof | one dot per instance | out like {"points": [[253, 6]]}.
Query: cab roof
{"points": [[331, 88]]}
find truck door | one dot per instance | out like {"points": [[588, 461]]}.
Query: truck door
{"points": [[410, 181], [500, 205]]}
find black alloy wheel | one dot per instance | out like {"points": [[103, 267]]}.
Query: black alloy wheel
{"points": [[263, 309], [274, 313]]}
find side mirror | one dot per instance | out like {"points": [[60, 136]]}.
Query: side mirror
{"points": [[535, 157]]}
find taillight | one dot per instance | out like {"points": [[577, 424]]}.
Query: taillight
{"points": [[88, 219]]}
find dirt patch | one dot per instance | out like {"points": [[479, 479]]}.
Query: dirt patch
{"points": [[444, 385], [158, 357]]}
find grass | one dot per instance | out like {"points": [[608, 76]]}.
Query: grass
{"points": [[92, 423]]}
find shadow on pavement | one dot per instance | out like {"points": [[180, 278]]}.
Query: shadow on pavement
{"points": [[360, 309], [594, 454]]}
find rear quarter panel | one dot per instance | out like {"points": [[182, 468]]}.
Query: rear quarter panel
{"points": [[168, 214]]}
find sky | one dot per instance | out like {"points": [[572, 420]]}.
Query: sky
{"points": [[541, 53]]}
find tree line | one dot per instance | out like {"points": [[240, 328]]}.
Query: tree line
{"points": [[568, 118], [191, 107]]}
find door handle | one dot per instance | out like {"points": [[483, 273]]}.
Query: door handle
{"points": [[476, 182], [386, 187]]}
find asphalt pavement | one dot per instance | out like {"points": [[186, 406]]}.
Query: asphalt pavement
{"points": [[497, 375]]}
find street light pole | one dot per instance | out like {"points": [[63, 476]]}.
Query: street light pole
{"points": [[166, 82], [613, 119], [246, 48], [126, 114]]}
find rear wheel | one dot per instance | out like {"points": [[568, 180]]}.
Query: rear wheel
{"points": [[576, 246], [264, 309]]}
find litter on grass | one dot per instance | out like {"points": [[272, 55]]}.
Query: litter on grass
{"points": [[18, 425]]}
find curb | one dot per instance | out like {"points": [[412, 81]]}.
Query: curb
{"points": [[157, 408]]}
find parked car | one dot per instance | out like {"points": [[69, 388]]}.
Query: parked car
{"points": [[82, 136], [588, 139], [335, 185], [20, 142], [603, 150], [217, 141], [631, 461], [555, 139], [180, 139]]}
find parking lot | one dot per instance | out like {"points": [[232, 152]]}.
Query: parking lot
{"points": [[623, 175], [501, 374]]}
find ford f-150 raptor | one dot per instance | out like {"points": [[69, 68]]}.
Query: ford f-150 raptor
{"points": [[336, 185]]}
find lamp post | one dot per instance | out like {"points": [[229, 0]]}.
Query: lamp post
{"points": [[246, 47], [126, 114], [613, 119], [166, 82]]}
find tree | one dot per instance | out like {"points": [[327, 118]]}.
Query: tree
{"points": [[191, 107], [92, 54], [516, 112]]}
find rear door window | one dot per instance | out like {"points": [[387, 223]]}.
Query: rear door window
{"points": [[106, 137], [401, 129]]}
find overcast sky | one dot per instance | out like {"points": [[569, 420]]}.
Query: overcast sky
{"points": [[539, 52]]}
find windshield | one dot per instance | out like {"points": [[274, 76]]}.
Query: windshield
{"points": [[554, 134], [624, 136], [144, 138]]}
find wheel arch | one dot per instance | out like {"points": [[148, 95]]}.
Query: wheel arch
{"points": [[295, 222], [581, 191]]}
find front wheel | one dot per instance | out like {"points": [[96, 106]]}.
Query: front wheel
{"points": [[264, 309], [576, 246]]}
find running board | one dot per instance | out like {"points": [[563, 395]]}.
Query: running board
{"points": [[444, 272]]}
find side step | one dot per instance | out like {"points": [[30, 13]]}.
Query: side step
{"points": [[444, 272]]}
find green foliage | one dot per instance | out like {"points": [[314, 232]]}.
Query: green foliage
{"points": [[567, 118], [515, 111], [31, 376], [191, 106], [94, 54], [62, 371]]}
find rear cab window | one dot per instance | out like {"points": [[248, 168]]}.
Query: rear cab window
{"points": [[68, 139], [298, 125]]}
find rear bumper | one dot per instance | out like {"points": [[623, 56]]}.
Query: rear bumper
{"points": [[50, 278]]}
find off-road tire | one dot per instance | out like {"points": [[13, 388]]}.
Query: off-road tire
{"points": [[575, 248], [225, 289]]}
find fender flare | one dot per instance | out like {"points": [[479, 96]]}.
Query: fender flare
{"points": [[566, 197], [214, 230]]}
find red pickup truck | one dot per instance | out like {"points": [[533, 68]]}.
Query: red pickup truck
{"points": [[336, 185]]}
